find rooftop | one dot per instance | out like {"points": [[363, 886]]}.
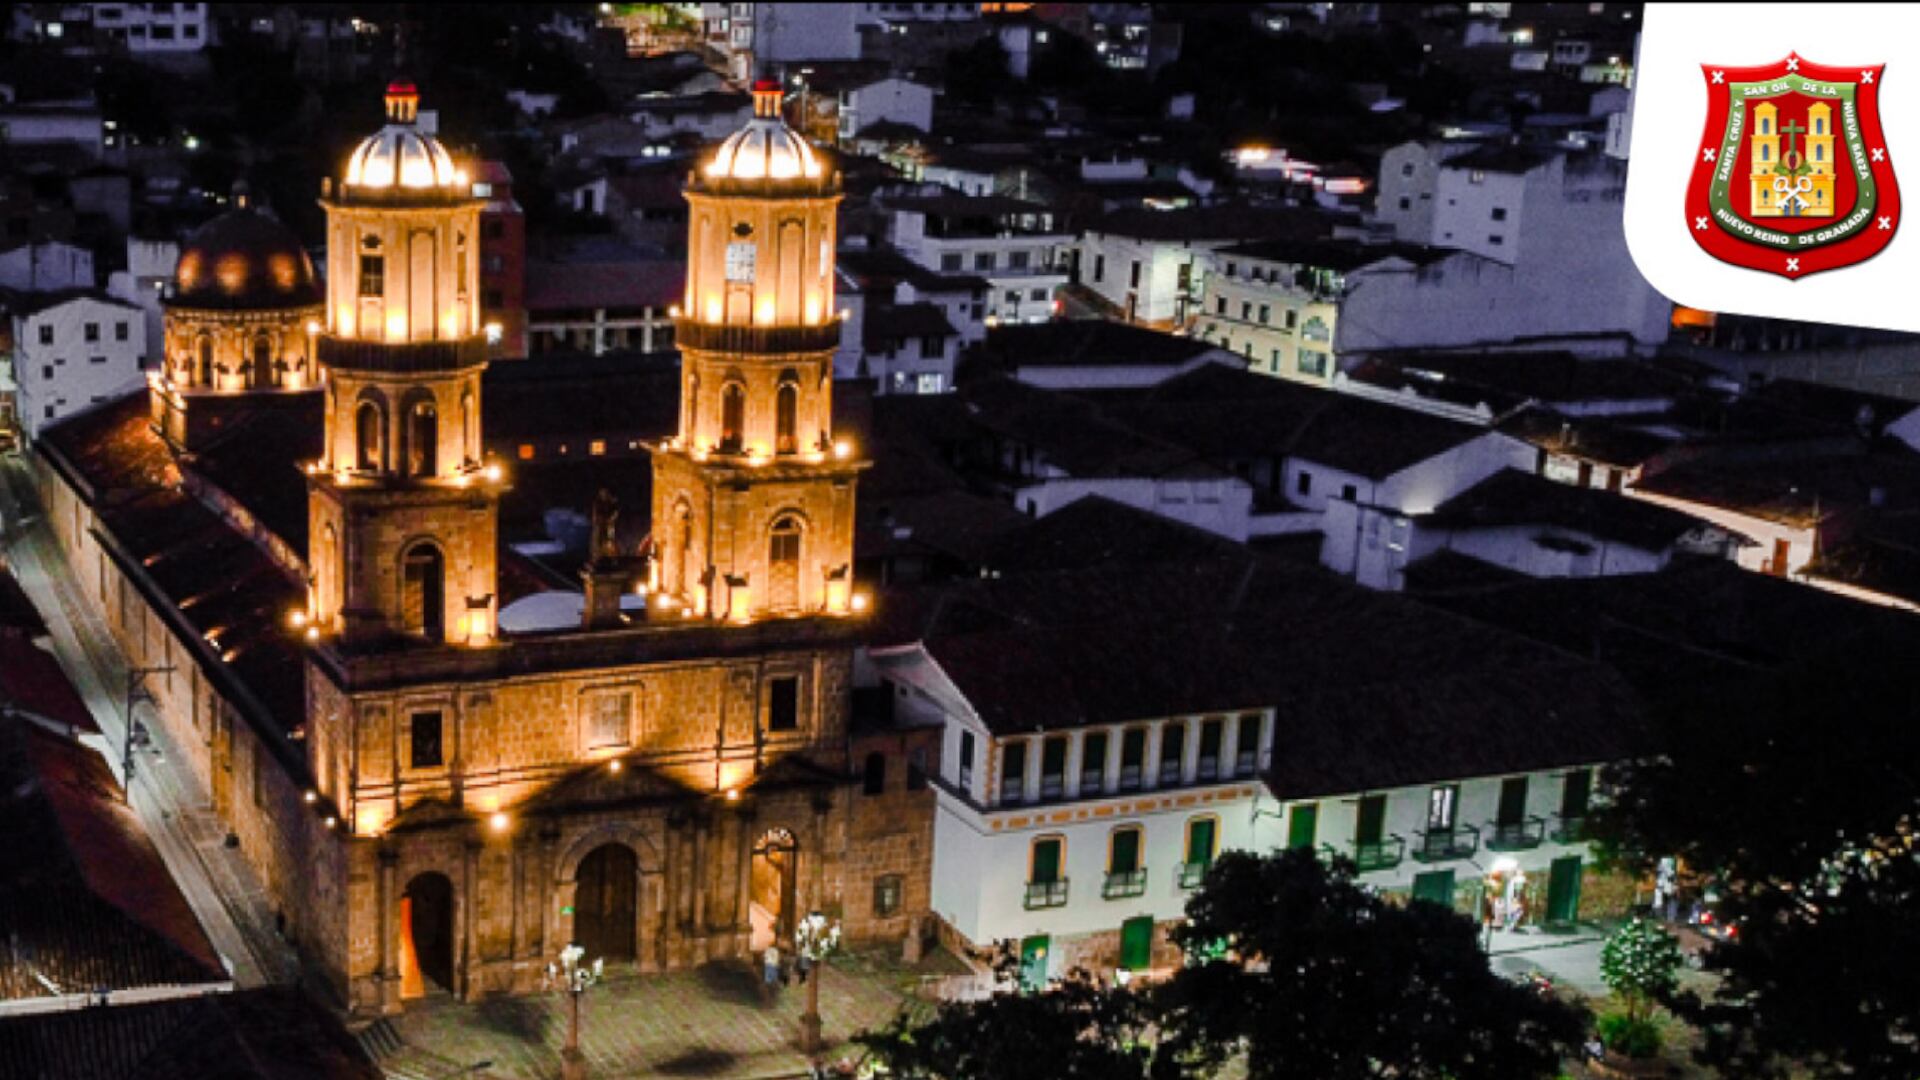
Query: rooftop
{"points": [[1086, 343], [1511, 497], [1336, 255]]}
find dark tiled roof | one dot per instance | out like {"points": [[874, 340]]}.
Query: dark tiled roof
{"points": [[1086, 343], [32, 681], [882, 268], [1512, 497], [1553, 377], [1228, 222], [16, 611], [84, 896], [1615, 442], [626, 284], [1883, 557], [270, 1034], [1390, 693], [1072, 434], [951, 523], [1096, 531], [1793, 490], [1338, 255], [888, 323], [1447, 570]]}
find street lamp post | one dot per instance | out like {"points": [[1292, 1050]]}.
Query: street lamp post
{"points": [[575, 978], [814, 939], [135, 735]]}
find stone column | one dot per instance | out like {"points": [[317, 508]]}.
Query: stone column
{"points": [[1190, 757], [1030, 784], [1150, 768], [387, 896], [467, 922], [1076, 747]]}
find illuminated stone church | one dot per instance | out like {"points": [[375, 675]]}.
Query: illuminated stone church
{"points": [[435, 804]]}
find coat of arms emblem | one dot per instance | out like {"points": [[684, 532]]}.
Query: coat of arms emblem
{"points": [[1793, 176]]}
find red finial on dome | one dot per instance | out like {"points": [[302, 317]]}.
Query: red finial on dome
{"points": [[766, 98], [403, 101]]}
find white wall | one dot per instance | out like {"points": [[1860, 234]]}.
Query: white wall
{"points": [[47, 266], [1156, 297], [71, 374], [897, 100], [789, 31]]}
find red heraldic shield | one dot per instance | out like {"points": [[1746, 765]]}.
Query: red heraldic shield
{"points": [[1793, 175]]}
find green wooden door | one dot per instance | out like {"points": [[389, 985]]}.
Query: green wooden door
{"points": [[1435, 887], [1302, 822], [1033, 962], [1136, 943], [1200, 842], [1563, 891], [1126, 852]]}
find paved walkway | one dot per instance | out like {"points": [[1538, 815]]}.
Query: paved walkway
{"points": [[706, 1023], [171, 803]]}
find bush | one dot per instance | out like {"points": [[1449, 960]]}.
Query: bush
{"points": [[1630, 1036]]}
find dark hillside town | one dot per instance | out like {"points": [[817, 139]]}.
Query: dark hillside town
{"points": [[958, 541]]}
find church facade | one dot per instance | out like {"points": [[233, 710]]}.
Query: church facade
{"points": [[437, 806]]}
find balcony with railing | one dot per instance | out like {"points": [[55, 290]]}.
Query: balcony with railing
{"points": [[1129, 778], [1207, 769], [1046, 894], [1244, 763], [1523, 835], [1444, 845], [1569, 828], [1382, 854], [1093, 781], [1170, 772], [1191, 874], [1052, 786], [1013, 791], [1122, 884]]}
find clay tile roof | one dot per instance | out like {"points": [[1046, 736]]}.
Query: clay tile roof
{"points": [[1512, 497]]}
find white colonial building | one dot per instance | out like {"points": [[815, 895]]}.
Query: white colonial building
{"points": [[74, 351], [1013, 244]]}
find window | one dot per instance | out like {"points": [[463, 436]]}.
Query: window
{"points": [[1577, 794], [96, 359], [1293, 318], [1046, 887], [1053, 768], [1406, 203], [1099, 268], [886, 895], [1202, 834], [1246, 753], [1013, 772], [1442, 802], [1513, 801], [1133, 275], [950, 262], [1499, 213], [525, 451], [1496, 239], [965, 774], [1125, 876], [873, 778], [933, 348], [1220, 305], [1093, 762], [1349, 492], [1133, 758], [733, 417], [1265, 311], [1246, 310], [91, 332], [1303, 483], [1371, 821], [917, 769], [783, 703], [786, 406], [597, 447], [1313, 362], [1018, 260], [46, 334], [426, 749], [1038, 296], [121, 330], [611, 719], [983, 260], [373, 275], [1406, 169], [1173, 745], [1212, 730]]}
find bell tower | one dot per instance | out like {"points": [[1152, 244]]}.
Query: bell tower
{"points": [[752, 499], [402, 510]]}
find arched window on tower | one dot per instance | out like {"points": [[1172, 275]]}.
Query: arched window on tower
{"points": [[733, 417], [683, 550], [786, 406], [203, 361], [469, 429], [423, 599], [263, 373], [692, 430], [423, 439], [369, 430], [783, 565]]}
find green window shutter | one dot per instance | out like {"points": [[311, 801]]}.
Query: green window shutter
{"points": [[1126, 852], [1200, 841], [1302, 822], [1372, 821], [1579, 789], [1046, 861], [1513, 800]]}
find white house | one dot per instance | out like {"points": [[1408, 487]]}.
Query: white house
{"points": [[1011, 243], [150, 265], [1116, 729], [1149, 266], [905, 326], [888, 100], [73, 351], [154, 29], [39, 124], [46, 266]]}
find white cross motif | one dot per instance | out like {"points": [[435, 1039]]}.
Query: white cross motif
{"points": [[1701, 222], [1719, 77], [1886, 224], [1866, 77], [1793, 63], [1879, 153], [1793, 264], [1706, 153]]}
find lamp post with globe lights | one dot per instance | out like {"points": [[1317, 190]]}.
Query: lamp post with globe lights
{"points": [[814, 939], [574, 977]]}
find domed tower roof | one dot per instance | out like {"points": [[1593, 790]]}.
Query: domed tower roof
{"points": [[245, 259], [400, 157], [766, 153]]}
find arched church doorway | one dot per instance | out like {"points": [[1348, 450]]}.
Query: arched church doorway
{"points": [[424, 596], [771, 910], [606, 903], [426, 936]]}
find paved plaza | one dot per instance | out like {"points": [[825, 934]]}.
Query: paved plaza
{"points": [[711, 1022]]}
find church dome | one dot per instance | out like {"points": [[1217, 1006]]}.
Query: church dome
{"points": [[766, 149], [244, 259], [400, 155]]}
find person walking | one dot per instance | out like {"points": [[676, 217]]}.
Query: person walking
{"points": [[770, 970]]}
